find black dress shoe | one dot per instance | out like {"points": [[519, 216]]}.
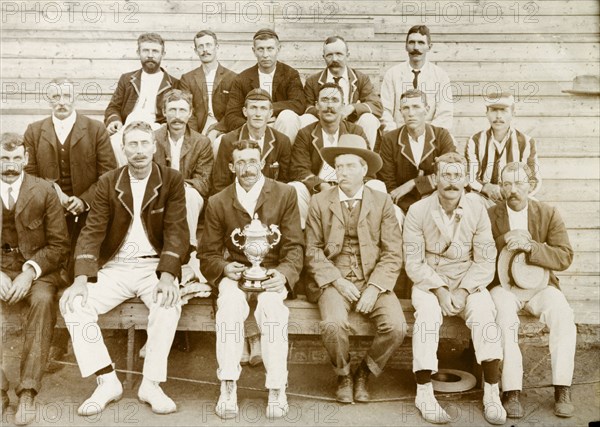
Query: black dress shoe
{"points": [[563, 407], [344, 392], [26, 410], [512, 404], [361, 377]]}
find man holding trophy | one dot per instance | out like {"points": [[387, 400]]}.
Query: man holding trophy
{"points": [[252, 247]]}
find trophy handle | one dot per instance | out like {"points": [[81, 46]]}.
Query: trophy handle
{"points": [[236, 232], [275, 230]]}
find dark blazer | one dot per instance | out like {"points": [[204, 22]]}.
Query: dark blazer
{"points": [[306, 158], [551, 246], [276, 155], [399, 165], [91, 154], [362, 94], [194, 82], [127, 93], [163, 216], [277, 204], [379, 237], [196, 161], [287, 93], [41, 226]]}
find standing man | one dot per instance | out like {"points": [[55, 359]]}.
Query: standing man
{"points": [[134, 244], [185, 150], [409, 153], [35, 247], [222, 263], [141, 92], [310, 174], [417, 73], [281, 81], [361, 104], [275, 146], [354, 255], [450, 257], [209, 85], [525, 225], [488, 151]]}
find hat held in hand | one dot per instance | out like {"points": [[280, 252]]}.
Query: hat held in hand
{"points": [[519, 277]]}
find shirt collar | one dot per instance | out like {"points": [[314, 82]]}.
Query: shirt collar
{"points": [[521, 212], [256, 188], [344, 75], [420, 139], [67, 123], [336, 135], [272, 73], [357, 196], [16, 186], [177, 142]]}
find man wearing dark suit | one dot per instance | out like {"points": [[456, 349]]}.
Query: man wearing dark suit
{"points": [[280, 80], [354, 255], [252, 196], [275, 146], [361, 104], [209, 85], [35, 247], [521, 223], [309, 174], [185, 150], [409, 153], [140, 92], [133, 244]]}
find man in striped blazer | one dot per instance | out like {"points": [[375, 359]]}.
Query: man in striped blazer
{"points": [[488, 151]]}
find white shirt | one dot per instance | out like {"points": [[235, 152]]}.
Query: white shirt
{"points": [[210, 82], [358, 196], [248, 199], [15, 190], [266, 81], [502, 144], [417, 147], [327, 173], [63, 127], [175, 151], [450, 222], [344, 83], [136, 243], [518, 220], [146, 103]]}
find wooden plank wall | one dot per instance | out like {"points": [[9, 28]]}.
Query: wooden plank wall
{"points": [[532, 48]]}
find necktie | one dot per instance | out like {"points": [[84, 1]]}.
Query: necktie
{"points": [[336, 80], [11, 199], [416, 79], [350, 203]]}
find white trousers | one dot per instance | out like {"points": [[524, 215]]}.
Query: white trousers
{"points": [[479, 314], [117, 282], [370, 125], [304, 199], [289, 123], [193, 206], [551, 306], [272, 317]]}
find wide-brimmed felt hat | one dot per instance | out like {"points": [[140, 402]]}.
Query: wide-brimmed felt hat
{"points": [[519, 277], [352, 144], [585, 85]]}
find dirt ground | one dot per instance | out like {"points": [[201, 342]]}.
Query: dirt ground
{"points": [[193, 385]]}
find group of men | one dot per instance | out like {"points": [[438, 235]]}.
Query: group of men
{"points": [[358, 185]]}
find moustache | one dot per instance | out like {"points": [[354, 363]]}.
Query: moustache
{"points": [[415, 52], [499, 121], [177, 121], [11, 173], [334, 64], [451, 187]]}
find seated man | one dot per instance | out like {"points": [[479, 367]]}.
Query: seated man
{"points": [[361, 104], [275, 146], [251, 196], [183, 149], [309, 173], [537, 229], [488, 151], [354, 255], [450, 257], [133, 245], [35, 248], [408, 153]]}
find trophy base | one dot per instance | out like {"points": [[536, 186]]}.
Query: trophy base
{"points": [[252, 283]]}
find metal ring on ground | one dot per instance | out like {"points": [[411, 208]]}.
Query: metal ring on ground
{"points": [[452, 381]]}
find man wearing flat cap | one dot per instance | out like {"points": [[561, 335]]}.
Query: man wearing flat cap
{"points": [[280, 80], [275, 146], [488, 151], [353, 257], [535, 229]]}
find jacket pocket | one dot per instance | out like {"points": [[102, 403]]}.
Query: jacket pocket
{"points": [[155, 211]]}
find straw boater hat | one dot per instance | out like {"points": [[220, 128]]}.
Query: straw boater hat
{"points": [[352, 144], [585, 85], [522, 279]]}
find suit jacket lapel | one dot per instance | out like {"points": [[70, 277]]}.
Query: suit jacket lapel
{"points": [[365, 206], [323, 77], [77, 132], [532, 216], [502, 219], [234, 200], [186, 146], [436, 215], [136, 81], [26, 193], [201, 82], [218, 77], [405, 148], [264, 194], [429, 145], [123, 189], [317, 138], [154, 183], [352, 83], [278, 78], [255, 81], [48, 135], [269, 143], [335, 206]]}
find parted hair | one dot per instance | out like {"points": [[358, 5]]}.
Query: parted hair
{"points": [[151, 37], [177, 95], [330, 85], [420, 29], [203, 33], [246, 144], [414, 93], [451, 157], [9, 141], [138, 125]]}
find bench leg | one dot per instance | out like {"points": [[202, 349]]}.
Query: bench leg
{"points": [[130, 357]]}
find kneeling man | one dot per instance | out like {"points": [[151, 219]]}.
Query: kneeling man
{"points": [[133, 245], [354, 255], [450, 257]]}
